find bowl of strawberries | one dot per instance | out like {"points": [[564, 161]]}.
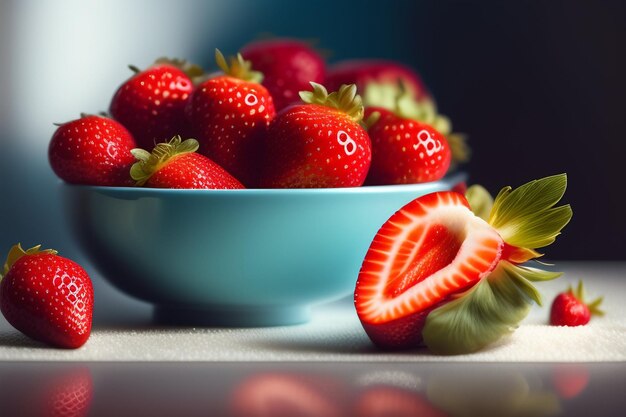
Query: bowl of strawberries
{"points": [[221, 205]]}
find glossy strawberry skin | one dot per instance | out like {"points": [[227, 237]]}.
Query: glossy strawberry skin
{"points": [[151, 104], [230, 118], [92, 150], [363, 71], [567, 310], [314, 146], [48, 298], [288, 66], [426, 253], [405, 151], [192, 171]]}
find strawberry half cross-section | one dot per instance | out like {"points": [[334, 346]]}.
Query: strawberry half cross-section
{"points": [[437, 274]]}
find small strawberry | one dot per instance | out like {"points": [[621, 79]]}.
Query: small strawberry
{"points": [[438, 274], [230, 115], [92, 150], [47, 297], [175, 164], [363, 72], [405, 151], [288, 65], [319, 143], [151, 104], [570, 309]]}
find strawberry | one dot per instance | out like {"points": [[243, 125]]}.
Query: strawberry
{"points": [[230, 114], [438, 274], [175, 164], [319, 143], [151, 104], [288, 66], [92, 150], [570, 309], [363, 72], [405, 151], [431, 249], [47, 297]]}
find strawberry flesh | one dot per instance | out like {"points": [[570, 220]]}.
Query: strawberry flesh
{"points": [[438, 251], [426, 253]]}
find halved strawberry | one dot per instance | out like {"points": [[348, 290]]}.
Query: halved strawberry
{"points": [[431, 249], [439, 273]]}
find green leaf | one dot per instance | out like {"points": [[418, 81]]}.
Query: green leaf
{"points": [[16, 252], [526, 217], [488, 311], [150, 162], [480, 201], [345, 99]]}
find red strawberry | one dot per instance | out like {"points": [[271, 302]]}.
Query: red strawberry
{"points": [[366, 71], [319, 143], [175, 164], [570, 309], [288, 65], [151, 104], [430, 250], [92, 150], [405, 151], [47, 297], [230, 115]]}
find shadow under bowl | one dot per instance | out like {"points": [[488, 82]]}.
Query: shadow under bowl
{"points": [[254, 257]]}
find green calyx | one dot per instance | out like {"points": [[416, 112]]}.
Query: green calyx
{"points": [[238, 68], [398, 99], [149, 163], [345, 99], [488, 311], [480, 201], [192, 70], [526, 218], [17, 252], [594, 306]]}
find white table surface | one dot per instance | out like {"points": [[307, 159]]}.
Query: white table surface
{"points": [[123, 331]]}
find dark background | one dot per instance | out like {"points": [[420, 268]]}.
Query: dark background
{"points": [[537, 85]]}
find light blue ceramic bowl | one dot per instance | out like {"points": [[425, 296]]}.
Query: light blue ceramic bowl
{"points": [[234, 257]]}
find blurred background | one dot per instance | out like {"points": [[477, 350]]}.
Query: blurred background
{"points": [[538, 87]]}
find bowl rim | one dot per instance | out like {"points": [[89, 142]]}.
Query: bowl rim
{"points": [[449, 180]]}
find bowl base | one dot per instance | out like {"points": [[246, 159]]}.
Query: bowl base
{"points": [[231, 317]]}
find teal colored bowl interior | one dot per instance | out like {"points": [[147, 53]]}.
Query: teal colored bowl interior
{"points": [[234, 257]]}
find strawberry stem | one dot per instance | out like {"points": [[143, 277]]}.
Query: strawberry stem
{"points": [[238, 67], [163, 153], [345, 99], [16, 252]]}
